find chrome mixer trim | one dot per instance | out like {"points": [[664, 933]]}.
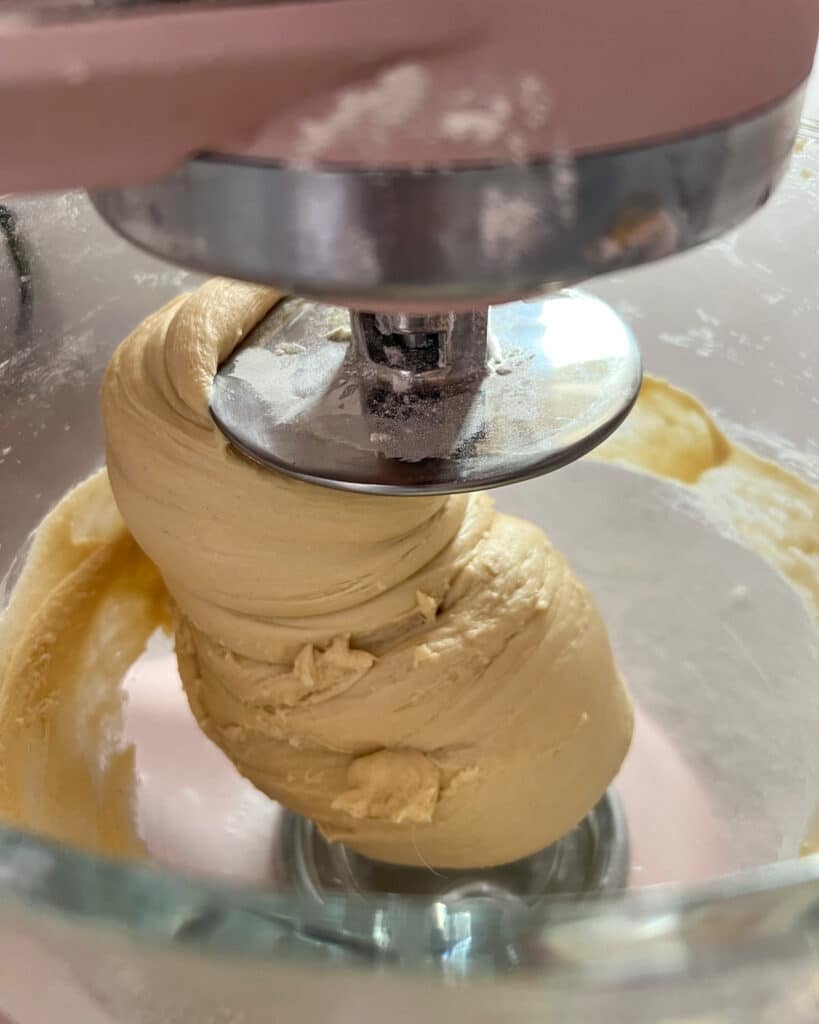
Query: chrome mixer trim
{"points": [[455, 238]]}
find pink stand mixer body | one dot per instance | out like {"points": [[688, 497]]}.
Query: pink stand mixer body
{"points": [[122, 94]]}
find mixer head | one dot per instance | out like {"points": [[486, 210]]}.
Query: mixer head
{"points": [[428, 168]]}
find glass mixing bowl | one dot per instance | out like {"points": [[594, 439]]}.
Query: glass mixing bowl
{"points": [[700, 910]]}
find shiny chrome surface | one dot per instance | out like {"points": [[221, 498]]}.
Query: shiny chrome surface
{"points": [[455, 238], [591, 860], [298, 397], [416, 351]]}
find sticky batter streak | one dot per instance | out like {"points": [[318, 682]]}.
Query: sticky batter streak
{"points": [[423, 676]]}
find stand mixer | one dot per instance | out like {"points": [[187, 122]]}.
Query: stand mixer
{"points": [[416, 216], [414, 164]]}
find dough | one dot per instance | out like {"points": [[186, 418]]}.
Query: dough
{"points": [[80, 615], [423, 677], [88, 599]]}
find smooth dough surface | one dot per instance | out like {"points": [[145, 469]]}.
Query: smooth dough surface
{"points": [[423, 677]]}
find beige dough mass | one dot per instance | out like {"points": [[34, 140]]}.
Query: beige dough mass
{"points": [[423, 677], [88, 599]]}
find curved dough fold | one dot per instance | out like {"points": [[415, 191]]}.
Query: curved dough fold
{"points": [[424, 677]]}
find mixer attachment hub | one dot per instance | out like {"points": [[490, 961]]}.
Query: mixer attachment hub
{"points": [[405, 403], [413, 350]]}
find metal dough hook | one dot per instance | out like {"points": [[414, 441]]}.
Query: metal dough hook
{"points": [[427, 403]]}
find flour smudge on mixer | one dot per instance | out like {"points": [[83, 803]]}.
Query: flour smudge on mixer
{"points": [[372, 111]]}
